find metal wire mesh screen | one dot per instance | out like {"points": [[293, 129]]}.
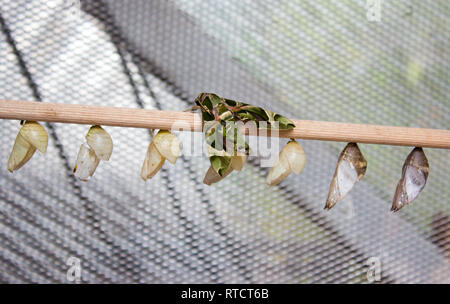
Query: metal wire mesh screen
{"points": [[319, 60]]}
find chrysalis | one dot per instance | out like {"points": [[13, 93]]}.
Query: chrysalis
{"points": [[86, 163], [350, 168], [152, 163], [164, 146], [414, 177], [291, 159], [30, 137], [211, 176], [168, 145], [98, 147], [100, 141]]}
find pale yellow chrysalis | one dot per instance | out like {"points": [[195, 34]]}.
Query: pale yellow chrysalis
{"points": [[86, 163], [168, 145], [100, 141], [152, 163], [30, 137], [291, 159]]}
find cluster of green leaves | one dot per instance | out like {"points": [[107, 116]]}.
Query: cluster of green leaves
{"points": [[222, 135]]}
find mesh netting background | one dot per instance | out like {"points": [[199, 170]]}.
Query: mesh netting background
{"points": [[318, 60]]}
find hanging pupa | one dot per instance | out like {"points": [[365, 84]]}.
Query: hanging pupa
{"points": [[168, 145], [291, 159], [100, 141], [152, 163], [86, 163], [414, 177], [30, 137], [164, 146], [350, 168], [98, 147], [211, 176]]}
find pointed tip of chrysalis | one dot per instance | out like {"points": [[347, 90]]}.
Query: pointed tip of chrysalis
{"points": [[395, 209], [330, 203]]}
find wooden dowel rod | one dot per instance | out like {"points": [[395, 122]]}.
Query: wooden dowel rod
{"points": [[154, 119]]}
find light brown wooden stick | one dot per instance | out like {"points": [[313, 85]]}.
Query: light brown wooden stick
{"points": [[154, 119]]}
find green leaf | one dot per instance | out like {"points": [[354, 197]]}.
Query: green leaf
{"points": [[206, 101], [214, 99], [207, 116], [258, 113], [220, 164], [244, 116], [217, 111], [285, 124], [226, 115], [231, 103]]}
